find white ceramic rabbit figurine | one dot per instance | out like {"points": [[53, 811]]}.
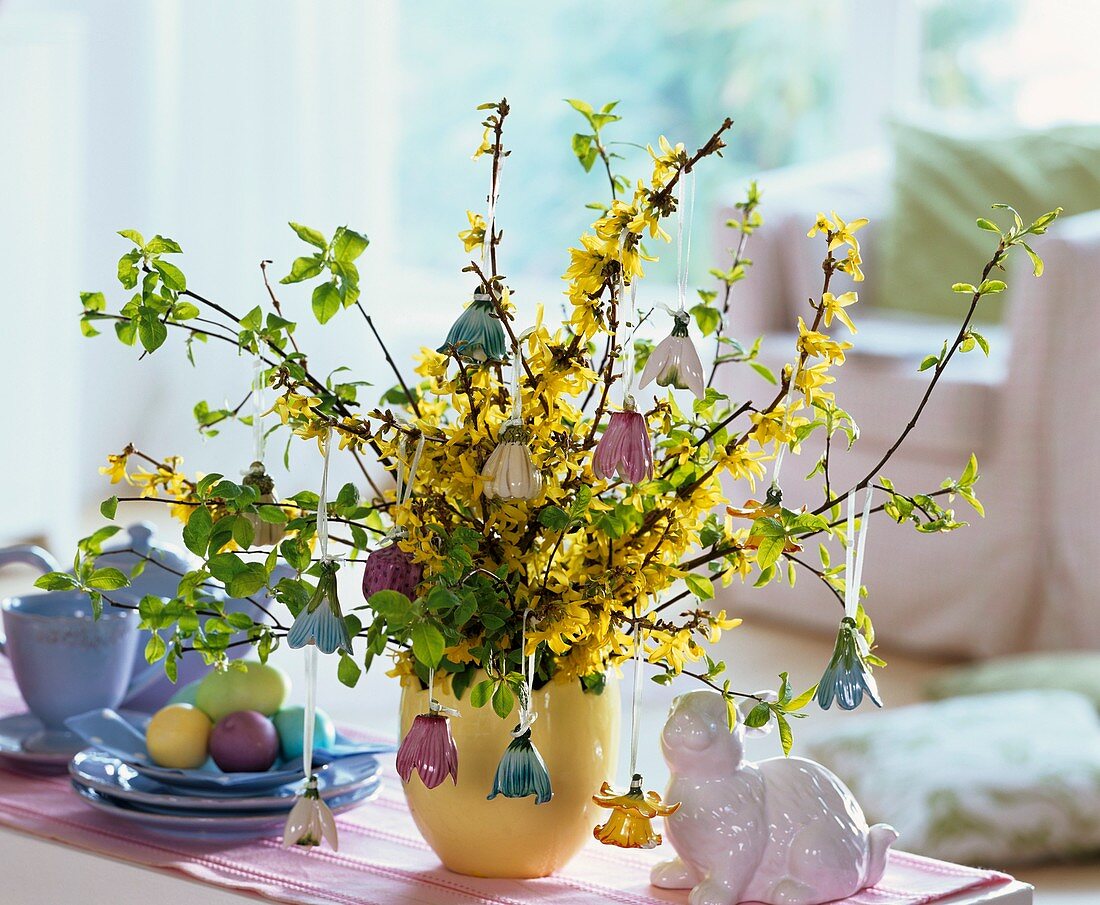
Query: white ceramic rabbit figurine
{"points": [[784, 831]]}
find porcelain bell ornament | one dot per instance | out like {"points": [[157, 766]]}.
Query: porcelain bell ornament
{"points": [[784, 831]]}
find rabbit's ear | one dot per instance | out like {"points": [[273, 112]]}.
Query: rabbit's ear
{"points": [[746, 706]]}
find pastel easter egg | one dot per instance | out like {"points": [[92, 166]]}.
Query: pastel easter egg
{"points": [[178, 736], [244, 742], [290, 724]]}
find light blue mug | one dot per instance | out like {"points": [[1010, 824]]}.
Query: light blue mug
{"points": [[65, 661]]}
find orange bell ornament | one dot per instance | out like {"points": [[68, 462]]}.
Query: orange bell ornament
{"points": [[629, 823]]}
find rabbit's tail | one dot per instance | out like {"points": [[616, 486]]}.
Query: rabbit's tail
{"points": [[879, 840]]}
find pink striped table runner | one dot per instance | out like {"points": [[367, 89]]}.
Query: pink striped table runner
{"points": [[382, 859]]}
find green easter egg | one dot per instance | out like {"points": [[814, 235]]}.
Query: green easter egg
{"points": [[260, 687]]}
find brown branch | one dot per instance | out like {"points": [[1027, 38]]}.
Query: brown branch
{"points": [[389, 358], [936, 374], [275, 303]]}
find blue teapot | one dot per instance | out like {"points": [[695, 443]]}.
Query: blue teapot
{"points": [[149, 688]]}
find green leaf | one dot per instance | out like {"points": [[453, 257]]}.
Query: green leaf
{"points": [[93, 301], [554, 518], [184, 311], [582, 107], [964, 287], [1036, 261], [348, 672], [764, 372], [155, 648], [134, 236], [247, 581], [759, 716], [707, 318], [482, 692], [347, 244], [128, 269], [171, 275], [582, 148], [56, 581], [326, 301], [929, 361], [503, 700], [196, 533], [304, 269], [243, 532], [273, 515], [109, 507], [988, 287], [427, 643], [151, 331], [161, 245], [441, 598], [989, 225], [801, 701], [393, 606], [786, 738], [970, 473], [310, 235], [769, 551], [701, 587], [107, 579], [982, 342]]}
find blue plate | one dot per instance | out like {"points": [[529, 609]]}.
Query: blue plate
{"points": [[14, 730], [219, 827], [110, 732], [109, 776]]}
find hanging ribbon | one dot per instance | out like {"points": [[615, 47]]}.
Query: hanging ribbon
{"points": [[405, 483], [527, 714], [683, 257], [258, 387], [853, 553], [777, 465], [635, 704], [322, 502], [517, 365], [628, 351], [311, 709]]}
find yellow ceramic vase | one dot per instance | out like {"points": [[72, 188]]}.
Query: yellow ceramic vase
{"points": [[577, 733]]}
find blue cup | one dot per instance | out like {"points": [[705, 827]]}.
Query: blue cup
{"points": [[67, 662]]}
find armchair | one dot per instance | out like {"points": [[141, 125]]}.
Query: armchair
{"points": [[1018, 579]]}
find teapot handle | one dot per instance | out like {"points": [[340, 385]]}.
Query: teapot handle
{"points": [[29, 555]]}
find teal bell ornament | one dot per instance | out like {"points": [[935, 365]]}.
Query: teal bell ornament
{"points": [[522, 772], [477, 335]]}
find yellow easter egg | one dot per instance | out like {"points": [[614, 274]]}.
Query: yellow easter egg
{"points": [[178, 736]]}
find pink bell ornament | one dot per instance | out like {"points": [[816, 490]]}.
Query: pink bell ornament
{"points": [[624, 447], [428, 747]]}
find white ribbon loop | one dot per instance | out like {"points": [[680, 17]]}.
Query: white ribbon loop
{"points": [[527, 714], [683, 255], [853, 553], [322, 502]]}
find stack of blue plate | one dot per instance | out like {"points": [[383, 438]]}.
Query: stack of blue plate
{"points": [[206, 803]]}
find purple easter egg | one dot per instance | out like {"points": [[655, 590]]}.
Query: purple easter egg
{"points": [[390, 568], [244, 742]]}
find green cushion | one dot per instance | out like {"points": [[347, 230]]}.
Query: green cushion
{"points": [[995, 779], [943, 182], [1040, 672]]}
